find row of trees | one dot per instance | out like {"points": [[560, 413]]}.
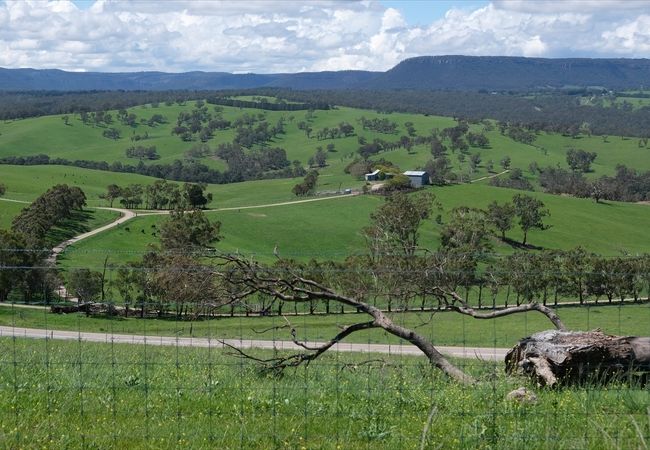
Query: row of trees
{"points": [[245, 166], [159, 195], [49, 209], [22, 248], [141, 152], [384, 126], [343, 129], [626, 185]]}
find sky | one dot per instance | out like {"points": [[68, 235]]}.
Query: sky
{"points": [[272, 36]]}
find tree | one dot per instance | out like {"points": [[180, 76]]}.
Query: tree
{"points": [[580, 160], [194, 195], [66, 119], [505, 162], [465, 231], [575, 265], [439, 170], [437, 148], [85, 284], [188, 231], [319, 158], [111, 133], [395, 224], [13, 259], [474, 161], [501, 216], [113, 191], [530, 212], [308, 184], [3, 189]]}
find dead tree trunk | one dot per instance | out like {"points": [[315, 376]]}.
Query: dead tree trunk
{"points": [[291, 287], [567, 357]]}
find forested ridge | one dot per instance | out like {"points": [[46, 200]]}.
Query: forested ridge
{"points": [[549, 112]]}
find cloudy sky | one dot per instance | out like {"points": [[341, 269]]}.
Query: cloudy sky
{"points": [[290, 36]]}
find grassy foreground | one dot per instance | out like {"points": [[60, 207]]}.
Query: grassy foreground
{"points": [[80, 395], [444, 328]]}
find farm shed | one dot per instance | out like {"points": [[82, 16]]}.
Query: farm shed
{"points": [[418, 177], [373, 176]]}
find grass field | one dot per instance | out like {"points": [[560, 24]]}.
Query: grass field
{"points": [[327, 228], [331, 229], [77, 141], [81, 395], [443, 328]]}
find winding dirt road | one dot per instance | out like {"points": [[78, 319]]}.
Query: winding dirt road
{"points": [[126, 214]]}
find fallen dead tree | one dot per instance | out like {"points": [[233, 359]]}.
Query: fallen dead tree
{"points": [[286, 284], [567, 357]]}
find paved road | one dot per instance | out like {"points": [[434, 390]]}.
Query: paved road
{"points": [[489, 354]]}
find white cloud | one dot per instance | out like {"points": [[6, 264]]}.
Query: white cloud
{"points": [[288, 36]]}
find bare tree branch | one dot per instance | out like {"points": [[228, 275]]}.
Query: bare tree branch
{"points": [[278, 364], [464, 308]]}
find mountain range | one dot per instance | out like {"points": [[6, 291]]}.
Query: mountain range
{"points": [[463, 73]]}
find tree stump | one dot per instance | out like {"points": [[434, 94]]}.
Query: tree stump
{"points": [[569, 357]]}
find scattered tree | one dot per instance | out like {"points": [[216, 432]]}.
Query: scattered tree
{"points": [[501, 216], [530, 212]]}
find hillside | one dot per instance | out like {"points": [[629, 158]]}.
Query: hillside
{"points": [[426, 72], [329, 229]]}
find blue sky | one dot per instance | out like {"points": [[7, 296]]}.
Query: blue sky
{"points": [[423, 12], [266, 36]]}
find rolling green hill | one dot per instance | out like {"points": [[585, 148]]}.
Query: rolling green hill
{"points": [[327, 229]]}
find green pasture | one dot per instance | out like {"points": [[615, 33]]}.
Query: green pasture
{"points": [[442, 328], [88, 395], [331, 229], [80, 222], [25, 183], [9, 210], [77, 141]]}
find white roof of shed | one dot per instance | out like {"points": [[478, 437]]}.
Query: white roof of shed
{"points": [[414, 173]]}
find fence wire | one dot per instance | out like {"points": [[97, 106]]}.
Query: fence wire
{"points": [[113, 368]]}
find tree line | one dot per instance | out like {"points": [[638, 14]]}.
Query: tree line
{"points": [[255, 165], [394, 273], [263, 103], [22, 247], [159, 195]]}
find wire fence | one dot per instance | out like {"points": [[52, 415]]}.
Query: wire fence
{"points": [[88, 363]]}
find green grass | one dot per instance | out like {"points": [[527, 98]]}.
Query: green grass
{"points": [[9, 210], [331, 229], [26, 183], [83, 395], [443, 328], [77, 141], [78, 223]]}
